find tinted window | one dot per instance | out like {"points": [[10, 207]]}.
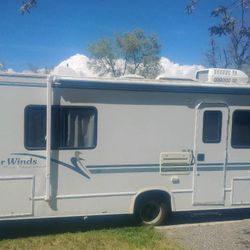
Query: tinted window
{"points": [[77, 128], [72, 127], [35, 127], [212, 121], [241, 129]]}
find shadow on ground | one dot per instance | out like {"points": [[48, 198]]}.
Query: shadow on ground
{"points": [[209, 216], [27, 228], [38, 227]]}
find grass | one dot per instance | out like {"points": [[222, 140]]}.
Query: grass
{"points": [[120, 238]]}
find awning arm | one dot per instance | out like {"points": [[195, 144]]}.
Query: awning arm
{"points": [[48, 140]]}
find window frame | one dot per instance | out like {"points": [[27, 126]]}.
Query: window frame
{"points": [[232, 145], [61, 107], [220, 128]]}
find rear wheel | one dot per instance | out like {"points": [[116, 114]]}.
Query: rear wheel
{"points": [[152, 211]]}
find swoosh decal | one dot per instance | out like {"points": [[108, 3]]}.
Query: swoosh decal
{"points": [[73, 167]]}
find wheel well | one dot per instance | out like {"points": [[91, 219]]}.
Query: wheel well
{"points": [[155, 194]]}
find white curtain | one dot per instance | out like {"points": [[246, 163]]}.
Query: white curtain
{"points": [[78, 128]]}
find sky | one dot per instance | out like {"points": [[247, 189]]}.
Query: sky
{"points": [[58, 29]]}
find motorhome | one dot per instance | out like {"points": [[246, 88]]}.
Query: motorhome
{"points": [[95, 146]]}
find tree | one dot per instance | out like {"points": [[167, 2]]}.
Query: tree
{"points": [[105, 59], [3, 67], [216, 56], [130, 53], [233, 30]]}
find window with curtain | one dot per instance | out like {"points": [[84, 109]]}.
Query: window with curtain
{"points": [[72, 127]]}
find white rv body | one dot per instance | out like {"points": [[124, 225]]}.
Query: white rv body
{"points": [[142, 136]]}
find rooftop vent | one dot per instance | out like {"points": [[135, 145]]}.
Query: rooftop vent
{"points": [[132, 77], [217, 75]]}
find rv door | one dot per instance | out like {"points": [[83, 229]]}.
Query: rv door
{"points": [[210, 153]]}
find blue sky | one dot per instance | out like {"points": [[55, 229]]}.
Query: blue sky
{"points": [[58, 29]]}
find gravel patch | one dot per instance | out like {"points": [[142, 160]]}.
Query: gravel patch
{"points": [[228, 235]]}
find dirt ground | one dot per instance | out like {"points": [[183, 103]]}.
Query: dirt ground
{"points": [[228, 230]]}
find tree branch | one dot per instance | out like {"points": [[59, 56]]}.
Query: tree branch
{"points": [[27, 5]]}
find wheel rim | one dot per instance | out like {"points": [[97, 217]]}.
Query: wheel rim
{"points": [[150, 211]]}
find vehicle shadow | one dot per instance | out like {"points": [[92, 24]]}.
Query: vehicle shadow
{"points": [[38, 227], [206, 216]]}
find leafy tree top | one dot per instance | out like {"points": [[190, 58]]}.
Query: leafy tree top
{"points": [[129, 53]]}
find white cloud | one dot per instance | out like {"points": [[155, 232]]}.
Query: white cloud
{"points": [[3, 69], [7, 70], [172, 69], [10, 70], [36, 71], [74, 66], [77, 66]]}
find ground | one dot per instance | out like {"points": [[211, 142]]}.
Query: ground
{"points": [[217, 230], [228, 230], [105, 233]]}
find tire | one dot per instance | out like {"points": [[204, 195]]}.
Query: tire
{"points": [[152, 212]]}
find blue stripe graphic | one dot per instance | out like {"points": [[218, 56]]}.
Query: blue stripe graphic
{"points": [[123, 166], [123, 170], [140, 168]]}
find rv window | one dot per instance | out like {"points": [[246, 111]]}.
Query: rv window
{"points": [[77, 128], [72, 127], [212, 121], [241, 129], [35, 127]]}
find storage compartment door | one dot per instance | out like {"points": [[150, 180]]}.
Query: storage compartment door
{"points": [[241, 194], [16, 196]]}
